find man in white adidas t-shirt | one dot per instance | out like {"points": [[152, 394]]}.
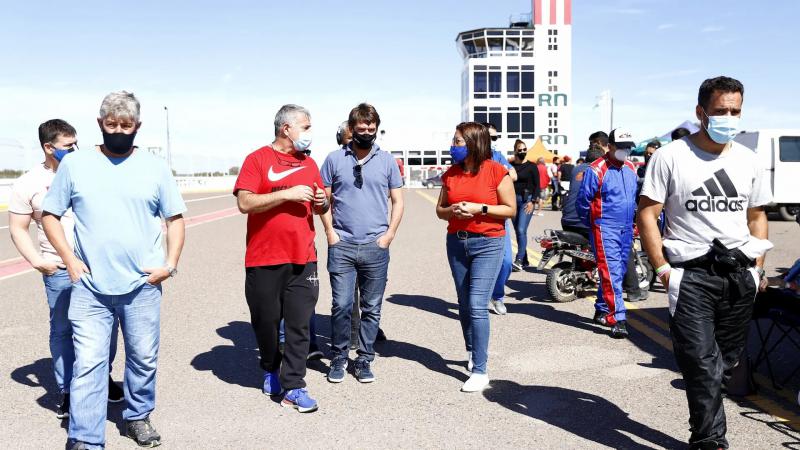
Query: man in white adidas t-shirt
{"points": [[711, 189]]}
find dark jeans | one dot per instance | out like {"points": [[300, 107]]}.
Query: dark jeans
{"points": [[554, 199], [368, 265], [630, 283], [288, 292], [521, 221], [711, 311]]}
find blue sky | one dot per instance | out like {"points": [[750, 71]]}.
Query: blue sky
{"points": [[223, 69]]}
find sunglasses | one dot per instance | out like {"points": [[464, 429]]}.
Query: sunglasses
{"points": [[284, 162], [359, 180]]}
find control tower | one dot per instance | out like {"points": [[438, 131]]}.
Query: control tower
{"points": [[519, 77]]}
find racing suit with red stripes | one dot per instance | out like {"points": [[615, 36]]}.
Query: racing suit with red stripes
{"points": [[606, 203]]}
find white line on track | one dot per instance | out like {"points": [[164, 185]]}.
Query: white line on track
{"points": [[207, 198], [3, 228]]}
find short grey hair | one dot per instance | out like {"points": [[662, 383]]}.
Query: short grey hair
{"points": [[120, 104], [288, 115]]}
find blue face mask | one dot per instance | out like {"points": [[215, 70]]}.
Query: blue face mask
{"points": [[59, 153], [722, 129], [458, 153]]}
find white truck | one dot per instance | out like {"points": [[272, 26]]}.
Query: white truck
{"points": [[779, 154]]}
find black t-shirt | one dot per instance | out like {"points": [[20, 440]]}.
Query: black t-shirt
{"points": [[527, 183], [566, 171]]}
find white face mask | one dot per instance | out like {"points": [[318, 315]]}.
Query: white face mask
{"points": [[621, 155], [303, 141]]}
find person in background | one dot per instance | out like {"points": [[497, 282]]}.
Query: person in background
{"points": [[651, 148], [579, 161], [566, 174], [57, 139], [498, 294], [526, 190], [477, 197], [679, 133], [554, 172], [544, 183], [606, 204], [570, 221]]}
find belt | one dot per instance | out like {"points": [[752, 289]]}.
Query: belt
{"points": [[461, 234], [710, 260]]}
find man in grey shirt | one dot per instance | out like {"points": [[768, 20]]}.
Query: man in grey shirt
{"points": [[361, 179]]}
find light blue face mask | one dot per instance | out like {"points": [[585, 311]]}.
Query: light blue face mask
{"points": [[722, 129]]}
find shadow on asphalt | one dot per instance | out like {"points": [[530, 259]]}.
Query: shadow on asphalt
{"points": [[426, 303], [425, 356], [39, 374], [585, 415]]}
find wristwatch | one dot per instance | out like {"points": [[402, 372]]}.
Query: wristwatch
{"points": [[172, 271], [761, 272], [485, 209]]}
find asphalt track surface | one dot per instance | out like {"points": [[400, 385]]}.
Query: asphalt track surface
{"points": [[558, 381]]}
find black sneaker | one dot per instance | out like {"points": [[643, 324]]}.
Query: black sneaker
{"points": [[62, 410], [362, 371], [143, 433], [115, 393], [619, 330], [600, 318], [637, 296], [381, 336], [516, 266], [338, 369], [78, 445]]}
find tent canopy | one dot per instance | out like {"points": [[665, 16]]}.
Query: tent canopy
{"points": [[539, 151]]}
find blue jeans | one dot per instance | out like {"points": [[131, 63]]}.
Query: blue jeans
{"points": [[505, 269], [521, 222], [92, 317], [475, 263], [793, 274], [58, 287], [368, 264]]}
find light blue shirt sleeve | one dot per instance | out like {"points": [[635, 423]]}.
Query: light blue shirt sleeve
{"points": [[326, 171], [497, 156], [59, 197], [170, 202], [395, 180], [583, 203]]}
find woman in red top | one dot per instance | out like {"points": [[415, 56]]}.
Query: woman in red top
{"points": [[476, 199]]}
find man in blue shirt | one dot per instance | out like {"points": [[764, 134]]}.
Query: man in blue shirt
{"points": [[361, 178], [499, 292], [118, 195]]}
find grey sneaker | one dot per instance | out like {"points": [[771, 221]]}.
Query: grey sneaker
{"points": [[498, 307], [78, 445], [363, 372], [143, 433], [338, 369]]}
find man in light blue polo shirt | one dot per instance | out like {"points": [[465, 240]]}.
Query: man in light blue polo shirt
{"points": [[118, 195], [499, 292], [361, 178]]}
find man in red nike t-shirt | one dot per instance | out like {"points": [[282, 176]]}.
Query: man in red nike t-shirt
{"points": [[279, 188]]}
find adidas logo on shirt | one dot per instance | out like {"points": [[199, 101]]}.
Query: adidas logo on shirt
{"points": [[710, 193]]}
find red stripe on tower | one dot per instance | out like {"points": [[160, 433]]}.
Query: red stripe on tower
{"points": [[553, 12], [537, 12], [567, 12]]}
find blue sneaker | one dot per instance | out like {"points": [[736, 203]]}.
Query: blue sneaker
{"points": [[363, 372], [299, 400], [272, 384], [338, 369]]}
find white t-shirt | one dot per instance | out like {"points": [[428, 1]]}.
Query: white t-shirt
{"points": [[705, 196], [27, 196]]}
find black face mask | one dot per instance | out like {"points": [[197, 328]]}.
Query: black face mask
{"points": [[364, 141], [118, 143], [521, 155]]}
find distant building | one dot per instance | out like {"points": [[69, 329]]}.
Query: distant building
{"points": [[519, 78]]}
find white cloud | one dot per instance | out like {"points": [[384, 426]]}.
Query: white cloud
{"points": [[665, 26], [712, 29]]}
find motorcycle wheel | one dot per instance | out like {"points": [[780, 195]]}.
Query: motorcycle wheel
{"points": [[561, 284], [646, 274]]}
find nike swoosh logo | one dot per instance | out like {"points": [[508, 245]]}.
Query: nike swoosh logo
{"points": [[277, 176]]}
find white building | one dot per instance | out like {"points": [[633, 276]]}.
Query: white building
{"points": [[519, 78]]}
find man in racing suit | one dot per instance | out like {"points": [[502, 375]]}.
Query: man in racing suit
{"points": [[606, 204]]}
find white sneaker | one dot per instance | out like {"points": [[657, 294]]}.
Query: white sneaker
{"points": [[470, 365], [498, 307], [476, 383]]}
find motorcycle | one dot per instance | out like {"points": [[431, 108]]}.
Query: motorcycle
{"points": [[576, 269]]}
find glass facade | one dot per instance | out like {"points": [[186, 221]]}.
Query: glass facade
{"points": [[496, 42]]}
